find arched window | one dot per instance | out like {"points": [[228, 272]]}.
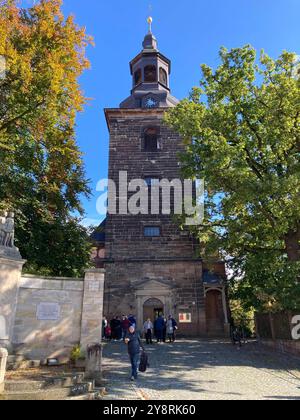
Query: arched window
{"points": [[163, 77], [137, 77], [150, 74], [151, 140]]}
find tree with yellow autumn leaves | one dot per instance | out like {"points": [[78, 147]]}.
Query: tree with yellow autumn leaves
{"points": [[41, 170]]}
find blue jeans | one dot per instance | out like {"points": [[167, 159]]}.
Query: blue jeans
{"points": [[134, 360]]}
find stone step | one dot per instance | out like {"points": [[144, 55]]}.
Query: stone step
{"points": [[23, 364], [91, 396], [76, 385], [84, 390], [23, 386], [48, 382], [15, 358], [65, 381]]}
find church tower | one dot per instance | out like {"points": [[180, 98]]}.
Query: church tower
{"points": [[152, 266]]}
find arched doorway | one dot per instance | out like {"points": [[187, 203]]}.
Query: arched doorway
{"points": [[214, 312], [152, 309]]}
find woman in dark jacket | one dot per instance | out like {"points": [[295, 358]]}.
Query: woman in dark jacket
{"points": [[159, 327], [134, 343]]}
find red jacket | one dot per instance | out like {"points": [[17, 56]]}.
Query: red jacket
{"points": [[125, 324]]}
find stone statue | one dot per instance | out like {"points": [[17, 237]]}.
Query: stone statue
{"points": [[7, 233], [2, 228], [9, 229]]}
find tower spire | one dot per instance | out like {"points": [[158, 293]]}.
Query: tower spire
{"points": [[150, 42]]}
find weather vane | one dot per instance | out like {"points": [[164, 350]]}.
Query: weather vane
{"points": [[150, 19]]}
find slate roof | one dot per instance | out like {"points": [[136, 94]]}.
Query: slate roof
{"points": [[99, 233], [212, 278]]}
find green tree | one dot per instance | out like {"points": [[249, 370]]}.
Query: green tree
{"points": [[242, 134], [42, 175]]}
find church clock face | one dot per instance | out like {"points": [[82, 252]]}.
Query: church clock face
{"points": [[151, 103]]}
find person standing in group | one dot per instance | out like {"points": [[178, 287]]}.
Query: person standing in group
{"points": [[118, 329], [132, 320], [159, 328], [171, 328], [148, 329], [115, 325], [134, 343], [113, 328], [125, 323], [165, 330], [104, 326], [108, 332]]}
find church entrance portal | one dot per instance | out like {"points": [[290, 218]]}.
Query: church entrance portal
{"points": [[214, 312], [153, 308]]}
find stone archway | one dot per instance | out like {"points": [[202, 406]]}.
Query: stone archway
{"points": [[152, 308], [148, 289]]}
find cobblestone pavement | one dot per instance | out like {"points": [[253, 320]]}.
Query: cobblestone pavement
{"points": [[203, 370]]}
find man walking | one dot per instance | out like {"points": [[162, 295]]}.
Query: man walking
{"points": [[134, 343]]}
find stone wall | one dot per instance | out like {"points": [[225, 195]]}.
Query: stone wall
{"points": [[92, 308], [177, 285], [275, 331], [10, 273], [138, 268], [283, 346], [42, 317], [3, 361], [35, 334], [125, 238]]}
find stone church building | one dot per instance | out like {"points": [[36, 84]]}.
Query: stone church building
{"points": [[151, 265]]}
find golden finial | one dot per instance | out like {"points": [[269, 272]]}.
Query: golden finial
{"points": [[150, 20]]}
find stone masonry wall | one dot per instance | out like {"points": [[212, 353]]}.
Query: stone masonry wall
{"points": [[42, 339], [132, 257], [125, 234], [10, 273], [185, 294]]}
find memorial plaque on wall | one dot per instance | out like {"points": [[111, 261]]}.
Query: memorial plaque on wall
{"points": [[47, 311]]}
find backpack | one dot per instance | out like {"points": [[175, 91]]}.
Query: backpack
{"points": [[144, 364]]}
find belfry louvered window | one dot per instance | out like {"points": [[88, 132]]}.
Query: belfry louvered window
{"points": [[151, 140]]}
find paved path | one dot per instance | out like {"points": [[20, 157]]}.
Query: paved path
{"points": [[203, 370]]}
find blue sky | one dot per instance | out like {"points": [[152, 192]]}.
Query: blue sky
{"points": [[189, 32]]}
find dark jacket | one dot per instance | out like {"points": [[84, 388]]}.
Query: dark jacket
{"points": [[159, 324], [125, 324], [132, 320], [135, 343], [174, 323]]}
